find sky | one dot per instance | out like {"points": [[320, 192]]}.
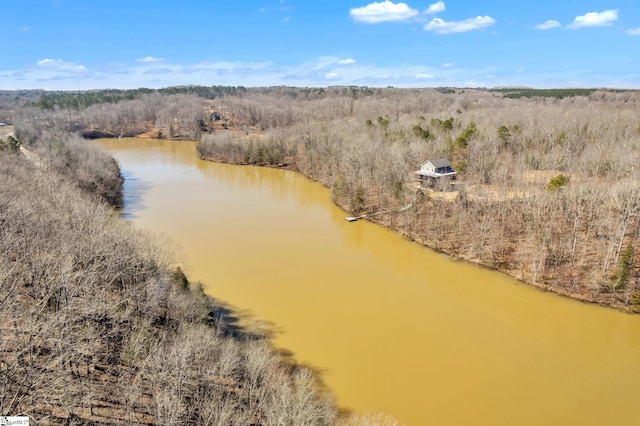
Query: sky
{"points": [[125, 44]]}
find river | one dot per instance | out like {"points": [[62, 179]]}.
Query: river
{"points": [[390, 325]]}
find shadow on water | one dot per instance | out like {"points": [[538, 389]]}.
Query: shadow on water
{"points": [[239, 324], [133, 191], [228, 322], [242, 325], [408, 332], [284, 186]]}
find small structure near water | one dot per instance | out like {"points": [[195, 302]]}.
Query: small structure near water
{"points": [[434, 170], [431, 171]]}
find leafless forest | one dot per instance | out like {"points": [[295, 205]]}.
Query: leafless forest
{"points": [[99, 326], [548, 188]]}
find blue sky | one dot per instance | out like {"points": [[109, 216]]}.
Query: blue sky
{"points": [[93, 44]]}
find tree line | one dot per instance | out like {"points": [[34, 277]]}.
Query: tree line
{"points": [[547, 188], [98, 323], [176, 116], [364, 144], [85, 99]]}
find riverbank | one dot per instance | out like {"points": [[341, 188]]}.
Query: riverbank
{"points": [[547, 190], [98, 326], [426, 202], [576, 232], [391, 326]]}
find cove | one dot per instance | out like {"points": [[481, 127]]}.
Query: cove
{"points": [[391, 326]]}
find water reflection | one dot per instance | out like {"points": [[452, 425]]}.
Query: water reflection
{"points": [[134, 189]]}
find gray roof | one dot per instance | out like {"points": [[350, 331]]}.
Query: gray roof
{"points": [[440, 162]]}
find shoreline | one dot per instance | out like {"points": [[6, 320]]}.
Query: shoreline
{"points": [[541, 286]]}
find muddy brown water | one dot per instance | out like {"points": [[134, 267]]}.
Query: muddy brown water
{"points": [[392, 326]]}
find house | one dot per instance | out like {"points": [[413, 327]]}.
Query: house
{"points": [[432, 170]]}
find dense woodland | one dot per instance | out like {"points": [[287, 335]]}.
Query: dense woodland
{"points": [[548, 189], [548, 184], [98, 324]]}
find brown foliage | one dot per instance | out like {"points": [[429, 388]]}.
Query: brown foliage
{"points": [[94, 328], [365, 149], [162, 116], [85, 164]]}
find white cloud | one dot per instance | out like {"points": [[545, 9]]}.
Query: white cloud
{"points": [[595, 19], [447, 65], [52, 74], [286, 19], [473, 83], [435, 8], [441, 26], [25, 29], [323, 63], [149, 59], [633, 31], [60, 65], [348, 61], [385, 11], [547, 25]]}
